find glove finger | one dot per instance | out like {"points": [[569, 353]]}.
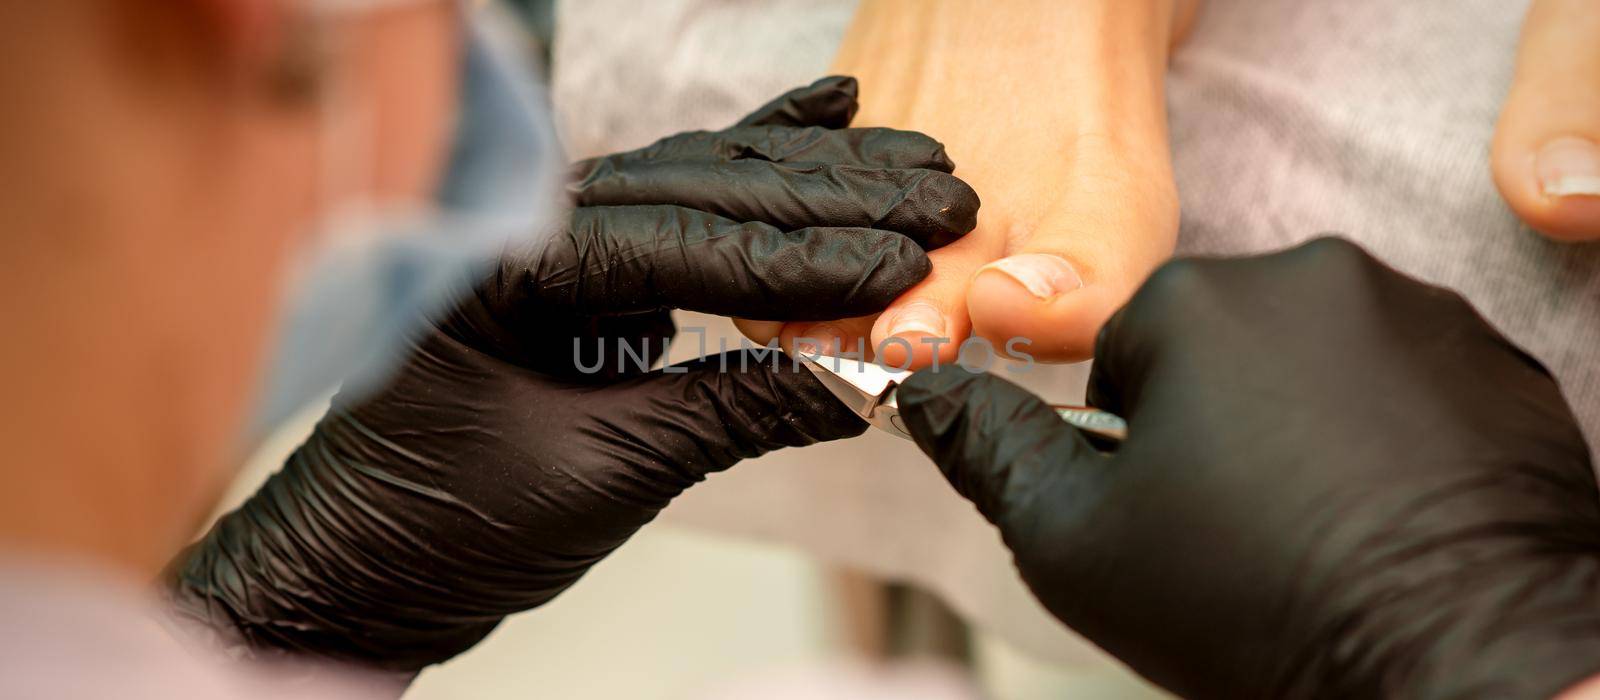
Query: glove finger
{"points": [[829, 102], [999, 445], [632, 259], [704, 415], [932, 207], [875, 147]]}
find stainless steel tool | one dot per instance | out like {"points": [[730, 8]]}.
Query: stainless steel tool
{"points": [[869, 389]]}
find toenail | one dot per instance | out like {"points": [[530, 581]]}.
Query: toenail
{"points": [[1569, 166], [1043, 275], [917, 317]]}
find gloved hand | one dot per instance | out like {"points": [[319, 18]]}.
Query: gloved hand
{"points": [[504, 460], [1339, 482]]}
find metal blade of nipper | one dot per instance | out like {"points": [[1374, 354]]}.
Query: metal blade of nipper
{"points": [[868, 389]]}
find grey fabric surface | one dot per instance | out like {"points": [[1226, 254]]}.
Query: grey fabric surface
{"points": [[624, 74], [1374, 118], [1289, 118]]}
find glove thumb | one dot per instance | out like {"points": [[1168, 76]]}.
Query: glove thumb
{"points": [[704, 415], [999, 445]]}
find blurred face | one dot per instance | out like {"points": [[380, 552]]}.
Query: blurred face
{"points": [[399, 71], [378, 122], [165, 162]]}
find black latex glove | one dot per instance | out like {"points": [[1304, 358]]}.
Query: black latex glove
{"points": [[496, 468], [1339, 482], [792, 164]]}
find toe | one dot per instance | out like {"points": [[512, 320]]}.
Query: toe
{"points": [[1546, 155]]}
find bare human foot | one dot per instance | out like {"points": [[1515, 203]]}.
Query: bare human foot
{"points": [[1546, 155], [1055, 113]]}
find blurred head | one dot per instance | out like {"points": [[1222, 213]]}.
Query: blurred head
{"points": [[163, 161]]}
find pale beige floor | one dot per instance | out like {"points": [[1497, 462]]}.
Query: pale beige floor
{"points": [[670, 612], [676, 612]]}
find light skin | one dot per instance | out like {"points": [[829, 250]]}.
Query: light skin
{"points": [[1070, 157], [1055, 113], [162, 162], [1546, 154]]}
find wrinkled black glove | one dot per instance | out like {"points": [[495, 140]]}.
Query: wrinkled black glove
{"points": [[1340, 482], [501, 463], [793, 164]]}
